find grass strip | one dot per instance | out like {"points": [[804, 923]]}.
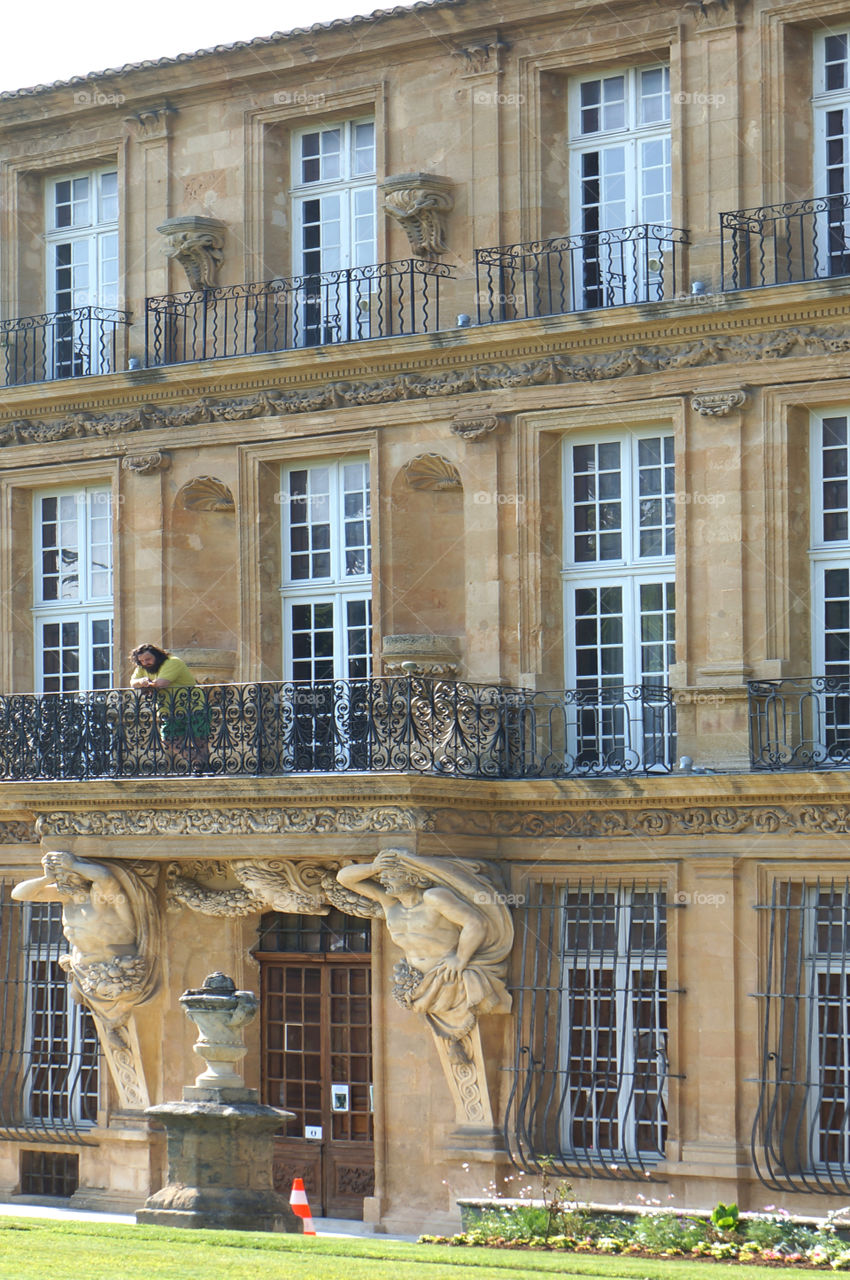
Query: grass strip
{"points": [[41, 1249]]}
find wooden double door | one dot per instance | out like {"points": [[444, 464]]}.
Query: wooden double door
{"points": [[317, 1063]]}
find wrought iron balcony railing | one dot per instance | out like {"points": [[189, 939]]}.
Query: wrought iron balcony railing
{"points": [[801, 723], [398, 725], [785, 243], [63, 344], [384, 300], [578, 273]]}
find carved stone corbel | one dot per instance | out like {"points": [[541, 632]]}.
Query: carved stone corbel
{"points": [[717, 404], [197, 243], [481, 56], [421, 655], [151, 124], [420, 202], [477, 426], [145, 464]]}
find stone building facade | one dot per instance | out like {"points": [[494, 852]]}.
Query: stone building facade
{"points": [[462, 393]]}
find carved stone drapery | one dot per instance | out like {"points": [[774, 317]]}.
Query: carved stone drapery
{"points": [[268, 884], [420, 202], [146, 464], [197, 243], [718, 404], [455, 933]]}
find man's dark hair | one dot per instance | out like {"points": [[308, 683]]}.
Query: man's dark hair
{"points": [[159, 654]]}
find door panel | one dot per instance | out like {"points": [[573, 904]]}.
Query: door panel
{"points": [[317, 1063]]}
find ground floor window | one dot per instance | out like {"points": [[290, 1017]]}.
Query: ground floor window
{"points": [[801, 1136], [49, 1053], [591, 1069]]}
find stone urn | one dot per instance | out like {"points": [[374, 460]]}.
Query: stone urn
{"points": [[219, 1012]]}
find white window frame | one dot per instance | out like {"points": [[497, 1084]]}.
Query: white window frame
{"points": [[87, 606], [820, 964], [323, 305], [605, 734], [624, 964], [338, 587], [78, 344], [73, 1050], [832, 225]]}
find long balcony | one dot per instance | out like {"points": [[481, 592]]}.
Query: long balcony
{"points": [[785, 243], [390, 724], [577, 273], [61, 344], [380, 301], [800, 723]]}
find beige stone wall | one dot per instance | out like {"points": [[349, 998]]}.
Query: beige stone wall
{"points": [[477, 95]]}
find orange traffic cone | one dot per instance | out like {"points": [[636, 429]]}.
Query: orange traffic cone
{"points": [[301, 1206]]}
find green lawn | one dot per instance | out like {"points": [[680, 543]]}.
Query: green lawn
{"points": [[38, 1249]]}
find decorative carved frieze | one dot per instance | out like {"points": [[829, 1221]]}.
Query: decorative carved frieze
{"points": [[203, 820], [713, 13], [205, 493], [476, 426], [420, 203], [582, 823], [431, 471], [197, 243], [18, 833], [547, 371], [718, 404], [146, 464]]}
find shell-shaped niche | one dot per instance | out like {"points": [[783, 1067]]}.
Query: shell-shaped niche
{"points": [[431, 471], [205, 493]]}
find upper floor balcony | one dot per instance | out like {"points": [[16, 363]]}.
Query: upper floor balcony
{"points": [[615, 268], [412, 725], [63, 344], [785, 243], [386, 299], [801, 723]]}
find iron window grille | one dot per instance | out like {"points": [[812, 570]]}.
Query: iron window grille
{"points": [[801, 1132], [591, 1071], [49, 1054]]}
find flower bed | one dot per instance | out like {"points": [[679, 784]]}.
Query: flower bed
{"points": [[724, 1235]]}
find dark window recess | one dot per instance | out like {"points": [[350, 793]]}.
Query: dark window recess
{"points": [[317, 935], [49, 1173], [801, 1134], [590, 1075]]}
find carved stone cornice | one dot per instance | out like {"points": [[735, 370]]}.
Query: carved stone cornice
{"points": [[549, 370], [420, 202], [475, 427], [197, 243], [718, 404], [146, 464], [151, 124]]}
